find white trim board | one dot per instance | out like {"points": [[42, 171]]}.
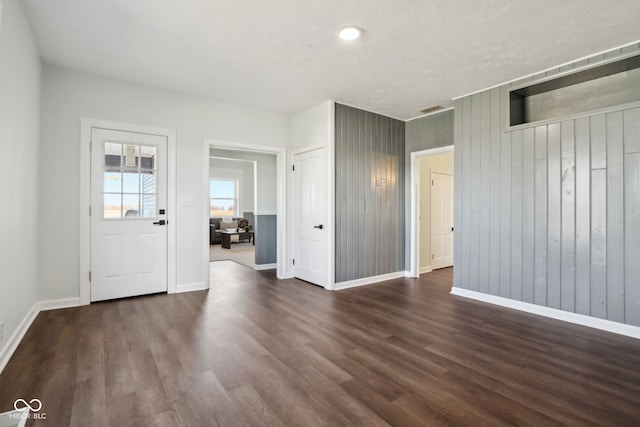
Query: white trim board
{"points": [[16, 338], [369, 280], [265, 266], [565, 316], [86, 124]]}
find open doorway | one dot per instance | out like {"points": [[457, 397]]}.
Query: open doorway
{"points": [[245, 206], [431, 210], [232, 202]]}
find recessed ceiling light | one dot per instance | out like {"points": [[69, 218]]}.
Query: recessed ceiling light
{"points": [[349, 33]]}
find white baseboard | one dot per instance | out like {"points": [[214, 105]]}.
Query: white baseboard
{"points": [[265, 266], [14, 340], [369, 280], [190, 287], [566, 316], [58, 303], [426, 269]]}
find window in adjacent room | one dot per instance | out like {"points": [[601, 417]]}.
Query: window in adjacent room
{"points": [[223, 197]]}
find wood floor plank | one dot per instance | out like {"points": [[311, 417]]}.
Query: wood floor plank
{"points": [[256, 351]]}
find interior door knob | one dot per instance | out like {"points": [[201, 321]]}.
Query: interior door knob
{"points": [[318, 226], [161, 222]]}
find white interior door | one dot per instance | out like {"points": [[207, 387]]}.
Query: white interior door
{"points": [[128, 202], [309, 217], [441, 220]]}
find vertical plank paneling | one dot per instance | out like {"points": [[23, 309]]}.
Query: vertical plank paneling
{"points": [[377, 164], [598, 295], [476, 155], [615, 217], [583, 216], [528, 209], [369, 194], [457, 190], [464, 236], [568, 211], [516, 215], [485, 191], [632, 235], [553, 211], [494, 206], [599, 243], [505, 216], [632, 215], [632, 131], [554, 215], [265, 239], [540, 243], [339, 158]]}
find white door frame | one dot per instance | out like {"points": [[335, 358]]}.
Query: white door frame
{"points": [[414, 250], [281, 207], [86, 124]]}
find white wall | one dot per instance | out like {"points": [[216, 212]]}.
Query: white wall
{"points": [[19, 142], [242, 171], [266, 177], [66, 97], [441, 163]]}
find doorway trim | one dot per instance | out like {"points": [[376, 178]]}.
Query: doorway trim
{"points": [[86, 124], [281, 203], [414, 248]]}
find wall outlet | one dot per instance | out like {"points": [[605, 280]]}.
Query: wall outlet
{"points": [[1, 331]]}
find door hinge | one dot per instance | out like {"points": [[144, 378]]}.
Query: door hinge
{"points": [[432, 257], [91, 146], [293, 168], [432, 183], [294, 261], [89, 275], [89, 210]]}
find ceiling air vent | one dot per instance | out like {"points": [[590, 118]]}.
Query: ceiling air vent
{"points": [[431, 109]]}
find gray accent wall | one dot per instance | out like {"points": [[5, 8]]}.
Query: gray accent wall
{"points": [[433, 131], [370, 176], [266, 232], [549, 213]]}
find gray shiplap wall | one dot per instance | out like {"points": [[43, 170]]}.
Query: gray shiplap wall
{"points": [[266, 233], [549, 213], [427, 132], [369, 154]]}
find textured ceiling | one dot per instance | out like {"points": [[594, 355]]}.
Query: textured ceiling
{"points": [[285, 56]]}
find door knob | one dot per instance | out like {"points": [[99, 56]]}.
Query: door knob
{"points": [[161, 222], [318, 226]]}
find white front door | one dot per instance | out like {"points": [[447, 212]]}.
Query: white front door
{"points": [[309, 217], [128, 202], [441, 220]]}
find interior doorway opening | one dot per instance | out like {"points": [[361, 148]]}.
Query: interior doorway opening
{"points": [[246, 214], [431, 210]]}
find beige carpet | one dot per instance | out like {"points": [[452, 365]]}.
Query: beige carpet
{"points": [[242, 253]]}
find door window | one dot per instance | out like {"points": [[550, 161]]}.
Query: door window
{"points": [[130, 175]]}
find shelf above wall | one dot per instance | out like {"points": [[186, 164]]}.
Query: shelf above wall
{"points": [[602, 86]]}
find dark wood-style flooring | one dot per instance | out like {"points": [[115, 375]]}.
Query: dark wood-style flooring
{"points": [[257, 351]]}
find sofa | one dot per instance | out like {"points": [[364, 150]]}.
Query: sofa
{"points": [[214, 228]]}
